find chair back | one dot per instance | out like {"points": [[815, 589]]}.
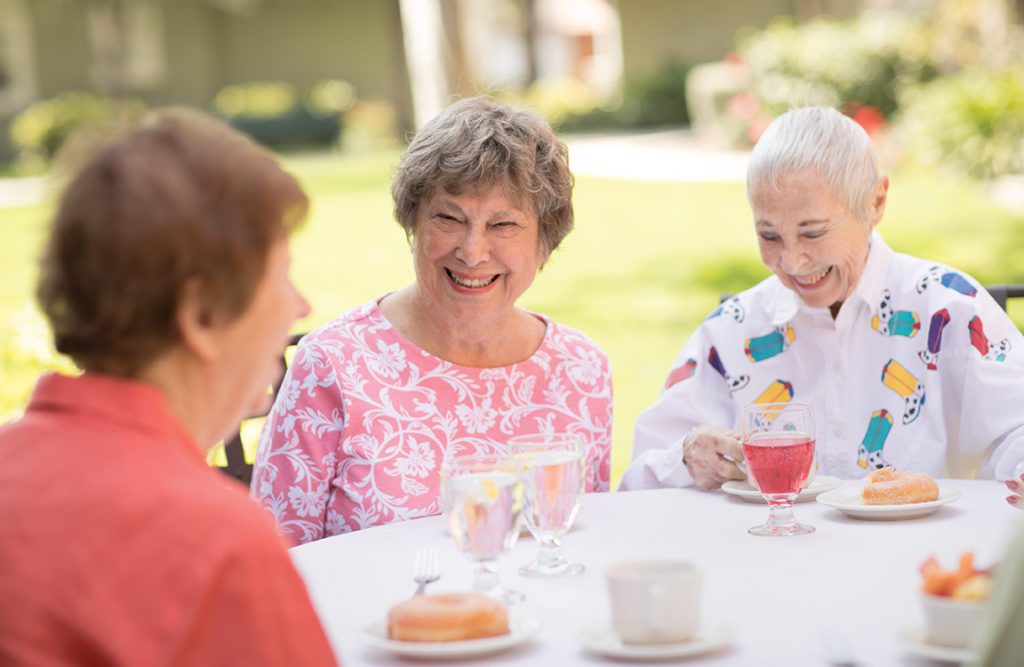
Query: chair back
{"points": [[238, 465], [1003, 293]]}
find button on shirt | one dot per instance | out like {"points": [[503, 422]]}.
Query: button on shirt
{"points": [[921, 369]]}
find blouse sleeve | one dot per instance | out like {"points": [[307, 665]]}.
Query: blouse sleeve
{"points": [[694, 393], [603, 438], [298, 451], [255, 610], [983, 390]]}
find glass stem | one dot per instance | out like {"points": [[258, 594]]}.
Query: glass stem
{"points": [[485, 577], [551, 556], [781, 514]]}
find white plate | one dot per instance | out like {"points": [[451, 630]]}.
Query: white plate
{"points": [[522, 628], [821, 484], [848, 500], [605, 641], [914, 642]]}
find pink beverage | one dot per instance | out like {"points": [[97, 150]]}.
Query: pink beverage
{"points": [[779, 463]]}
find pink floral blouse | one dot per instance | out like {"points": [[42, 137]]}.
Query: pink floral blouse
{"points": [[364, 419]]}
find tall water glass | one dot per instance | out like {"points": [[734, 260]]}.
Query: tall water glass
{"points": [[484, 498], [778, 444], [553, 470]]}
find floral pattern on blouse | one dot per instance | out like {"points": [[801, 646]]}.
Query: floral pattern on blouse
{"points": [[364, 419]]}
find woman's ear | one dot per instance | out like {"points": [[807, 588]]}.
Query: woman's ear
{"points": [[879, 197], [196, 322]]}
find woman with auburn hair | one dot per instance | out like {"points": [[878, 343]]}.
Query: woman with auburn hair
{"points": [[165, 279], [375, 400]]}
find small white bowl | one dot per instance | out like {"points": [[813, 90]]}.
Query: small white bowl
{"points": [[950, 621]]}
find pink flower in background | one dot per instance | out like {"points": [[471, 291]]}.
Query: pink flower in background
{"points": [[743, 105], [757, 127], [868, 117]]}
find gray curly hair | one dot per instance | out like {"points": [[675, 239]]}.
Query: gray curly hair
{"points": [[478, 143]]}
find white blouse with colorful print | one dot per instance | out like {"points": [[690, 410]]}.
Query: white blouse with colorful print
{"points": [[364, 419], [920, 369]]}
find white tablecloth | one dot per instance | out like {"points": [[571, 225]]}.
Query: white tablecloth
{"points": [[777, 593]]}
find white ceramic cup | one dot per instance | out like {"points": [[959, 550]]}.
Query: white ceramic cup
{"points": [[654, 602], [951, 622]]}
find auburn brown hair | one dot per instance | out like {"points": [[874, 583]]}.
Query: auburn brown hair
{"points": [[181, 199]]}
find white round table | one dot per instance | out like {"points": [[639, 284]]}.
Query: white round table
{"points": [[779, 595]]}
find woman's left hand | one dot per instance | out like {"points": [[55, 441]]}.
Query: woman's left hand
{"points": [[1016, 487]]}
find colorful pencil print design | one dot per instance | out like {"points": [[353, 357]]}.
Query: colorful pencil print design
{"points": [[896, 377], [894, 323], [870, 453], [993, 351], [680, 373], [950, 279], [734, 383], [730, 307], [930, 356], [779, 391], [769, 345]]}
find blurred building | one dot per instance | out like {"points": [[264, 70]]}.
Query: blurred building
{"points": [[185, 51], [691, 31], [414, 54]]}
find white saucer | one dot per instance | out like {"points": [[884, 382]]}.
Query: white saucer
{"points": [[820, 484], [914, 642], [848, 500], [605, 641], [522, 628]]}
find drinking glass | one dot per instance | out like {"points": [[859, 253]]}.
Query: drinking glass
{"points": [[484, 497], [778, 443], [553, 470]]}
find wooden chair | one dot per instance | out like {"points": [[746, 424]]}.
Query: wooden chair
{"points": [[1002, 293], [234, 452]]}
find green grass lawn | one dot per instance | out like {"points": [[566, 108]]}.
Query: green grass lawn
{"points": [[646, 263]]}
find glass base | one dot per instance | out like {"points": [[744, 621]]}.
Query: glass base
{"points": [[536, 570], [769, 529], [501, 594], [486, 582], [507, 595]]}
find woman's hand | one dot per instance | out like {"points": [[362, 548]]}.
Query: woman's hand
{"points": [[710, 455], [1016, 487]]}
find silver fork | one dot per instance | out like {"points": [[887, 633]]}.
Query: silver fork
{"points": [[426, 568]]}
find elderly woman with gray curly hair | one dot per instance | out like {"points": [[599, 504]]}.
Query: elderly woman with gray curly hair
{"points": [[376, 399]]}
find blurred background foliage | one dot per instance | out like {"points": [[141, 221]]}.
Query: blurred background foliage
{"points": [[939, 84]]}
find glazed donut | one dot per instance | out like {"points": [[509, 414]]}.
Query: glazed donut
{"points": [[447, 618], [898, 487]]}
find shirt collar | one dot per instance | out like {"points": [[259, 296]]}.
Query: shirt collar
{"points": [[872, 281], [129, 404], [869, 288]]}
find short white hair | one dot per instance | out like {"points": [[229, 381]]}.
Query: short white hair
{"points": [[822, 141]]}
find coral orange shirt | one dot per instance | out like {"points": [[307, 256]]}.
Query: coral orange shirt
{"points": [[120, 546]]}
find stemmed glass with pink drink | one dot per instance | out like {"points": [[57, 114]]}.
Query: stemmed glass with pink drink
{"points": [[778, 444]]}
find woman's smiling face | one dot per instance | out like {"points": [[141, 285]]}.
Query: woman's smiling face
{"points": [[475, 253], [811, 240]]}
